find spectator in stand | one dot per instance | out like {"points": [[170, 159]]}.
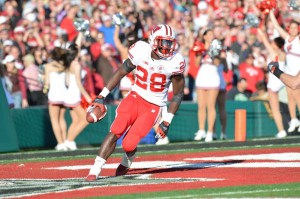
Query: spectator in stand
{"points": [[95, 48], [85, 61], [292, 48], [40, 56], [106, 65], [10, 11], [17, 87], [67, 22], [6, 83], [202, 15], [18, 37], [239, 92], [261, 93], [240, 46], [251, 73], [275, 49], [108, 30], [35, 95], [95, 20]]}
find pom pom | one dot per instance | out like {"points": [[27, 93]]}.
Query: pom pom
{"points": [[82, 25], [199, 47], [84, 104], [294, 5], [215, 48], [266, 5], [119, 19], [252, 20]]}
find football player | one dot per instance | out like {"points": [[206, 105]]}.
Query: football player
{"points": [[157, 65]]}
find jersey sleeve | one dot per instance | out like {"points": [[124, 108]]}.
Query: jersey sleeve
{"points": [[134, 51], [179, 65]]}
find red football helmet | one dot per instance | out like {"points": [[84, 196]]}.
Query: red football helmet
{"points": [[163, 40]]}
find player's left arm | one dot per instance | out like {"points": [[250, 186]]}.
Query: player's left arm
{"points": [[178, 87]]}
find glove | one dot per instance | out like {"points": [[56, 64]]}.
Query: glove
{"points": [[98, 101], [162, 130], [273, 67]]}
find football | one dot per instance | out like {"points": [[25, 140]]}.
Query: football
{"points": [[94, 114]]}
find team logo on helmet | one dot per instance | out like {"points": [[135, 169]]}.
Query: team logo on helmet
{"points": [[163, 40]]}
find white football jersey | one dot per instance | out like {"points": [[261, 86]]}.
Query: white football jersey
{"points": [[153, 77]]}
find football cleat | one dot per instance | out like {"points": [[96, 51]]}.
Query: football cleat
{"points": [[121, 170], [91, 178], [163, 141]]}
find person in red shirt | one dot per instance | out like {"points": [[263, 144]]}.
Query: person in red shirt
{"points": [[67, 23], [251, 73]]}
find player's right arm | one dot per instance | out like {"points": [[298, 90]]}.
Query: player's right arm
{"points": [[128, 65], [126, 68]]}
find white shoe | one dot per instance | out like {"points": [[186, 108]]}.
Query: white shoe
{"points": [[223, 136], [95, 169], [281, 134], [71, 145], [162, 141], [209, 137], [294, 123], [61, 147], [199, 135]]}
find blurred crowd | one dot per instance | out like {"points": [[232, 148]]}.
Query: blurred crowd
{"points": [[29, 31]]}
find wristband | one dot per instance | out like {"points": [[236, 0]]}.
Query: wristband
{"points": [[277, 72], [168, 117], [104, 92]]}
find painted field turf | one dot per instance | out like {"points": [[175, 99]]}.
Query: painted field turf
{"points": [[220, 172]]}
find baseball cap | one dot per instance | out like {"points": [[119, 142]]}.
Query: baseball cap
{"points": [[3, 19], [84, 52], [8, 58], [8, 43], [19, 29], [202, 5], [107, 46], [106, 17]]}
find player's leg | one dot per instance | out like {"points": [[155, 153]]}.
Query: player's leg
{"points": [[125, 115], [274, 104], [147, 116], [201, 101], [211, 113]]}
